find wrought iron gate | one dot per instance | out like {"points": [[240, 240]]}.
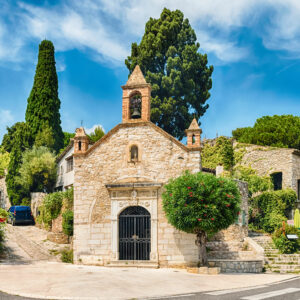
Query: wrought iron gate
{"points": [[134, 234]]}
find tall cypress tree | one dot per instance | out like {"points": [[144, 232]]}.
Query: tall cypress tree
{"points": [[43, 103]]}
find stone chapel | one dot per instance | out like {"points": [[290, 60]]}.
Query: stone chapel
{"points": [[118, 181]]}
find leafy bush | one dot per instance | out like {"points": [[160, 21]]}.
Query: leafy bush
{"points": [[52, 206], [67, 223], [3, 213], [2, 237], [283, 244], [271, 207], [68, 199], [67, 256], [202, 204]]}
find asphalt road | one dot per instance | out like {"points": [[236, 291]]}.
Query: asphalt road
{"points": [[287, 290]]}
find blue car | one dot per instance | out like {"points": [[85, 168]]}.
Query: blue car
{"points": [[20, 215]]}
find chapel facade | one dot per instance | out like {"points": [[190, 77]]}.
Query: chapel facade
{"points": [[118, 181]]}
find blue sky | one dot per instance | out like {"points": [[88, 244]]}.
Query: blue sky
{"points": [[253, 45]]}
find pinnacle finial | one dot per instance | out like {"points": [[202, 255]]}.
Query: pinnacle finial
{"points": [[136, 77]]}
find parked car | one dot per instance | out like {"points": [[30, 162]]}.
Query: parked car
{"points": [[20, 215]]}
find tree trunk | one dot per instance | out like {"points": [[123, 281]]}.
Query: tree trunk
{"points": [[201, 243]]}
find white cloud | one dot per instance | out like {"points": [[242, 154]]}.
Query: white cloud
{"points": [[106, 28], [92, 129]]}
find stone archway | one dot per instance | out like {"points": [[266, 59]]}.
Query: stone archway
{"points": [[134, 233], [125, 195]]}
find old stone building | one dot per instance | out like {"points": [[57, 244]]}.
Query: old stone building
{"points": [[282, 164], [118, 215]]}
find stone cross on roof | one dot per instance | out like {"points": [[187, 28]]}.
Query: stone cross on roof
{"points": [[136, 77]]}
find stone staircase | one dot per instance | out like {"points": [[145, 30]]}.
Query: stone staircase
{"points": [[274, 261]]}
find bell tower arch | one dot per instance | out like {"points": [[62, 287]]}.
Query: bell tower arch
{"points": [[136, 98]]}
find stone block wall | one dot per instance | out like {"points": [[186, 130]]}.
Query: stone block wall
{"points": [[4, 200], [268, 160], [36, 201]]}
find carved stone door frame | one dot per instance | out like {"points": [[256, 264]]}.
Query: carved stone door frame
{"points": [[133, 194]]}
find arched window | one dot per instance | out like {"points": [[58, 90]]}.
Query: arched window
{"points": [[134, 153], [79, 146], [193, 139], [135, 106]]}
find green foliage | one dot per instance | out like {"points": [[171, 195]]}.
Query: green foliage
{"points": [[68, 199], [20, 140], [52, 207], [4, 161], [180, 78], [38, 170], [43, 102], [270, 208], [2, 237], [3, 213], [26, 202], [97, 134], [67, 137], [45, 138], [219, 154], [277, 131], [283, 244], [67, 256], [201, 201], [67, 223], [53, 204], [255, 183]]}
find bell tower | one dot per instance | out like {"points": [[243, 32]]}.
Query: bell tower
{"points": [[193, 134], [81, 141], [136, 98]]}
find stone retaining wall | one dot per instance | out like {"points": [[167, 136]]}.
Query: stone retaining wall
{"points": [[237, 266]]}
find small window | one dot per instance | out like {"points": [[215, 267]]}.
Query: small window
{"points": [[277, 181], [193, 139], [70, 165], [298, 188], [134, 153], [79, 146]]}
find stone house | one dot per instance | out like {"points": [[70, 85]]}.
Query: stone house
{"points": [[282, 164], [118, 215], [65, 170]]}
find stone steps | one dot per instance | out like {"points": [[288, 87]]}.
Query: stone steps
{"points": [[133, 263], [274, 261]]}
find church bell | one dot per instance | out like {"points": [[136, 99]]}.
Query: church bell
{"points": [[136, 113]]}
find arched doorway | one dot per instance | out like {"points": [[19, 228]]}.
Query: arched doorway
{"points": [[134, 234]]}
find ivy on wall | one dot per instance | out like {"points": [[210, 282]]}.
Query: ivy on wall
{"points": [[219, 153]]}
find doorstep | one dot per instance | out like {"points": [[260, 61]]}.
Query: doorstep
{"points": [[133, 263]]}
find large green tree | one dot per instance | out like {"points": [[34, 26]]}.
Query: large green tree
{"points": [[180, 78], [38, 170], [277, 131], [43, 102], [201, 204], [20, 141]]}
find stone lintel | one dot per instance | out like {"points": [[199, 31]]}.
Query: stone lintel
{"points": [[132, 185]]}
